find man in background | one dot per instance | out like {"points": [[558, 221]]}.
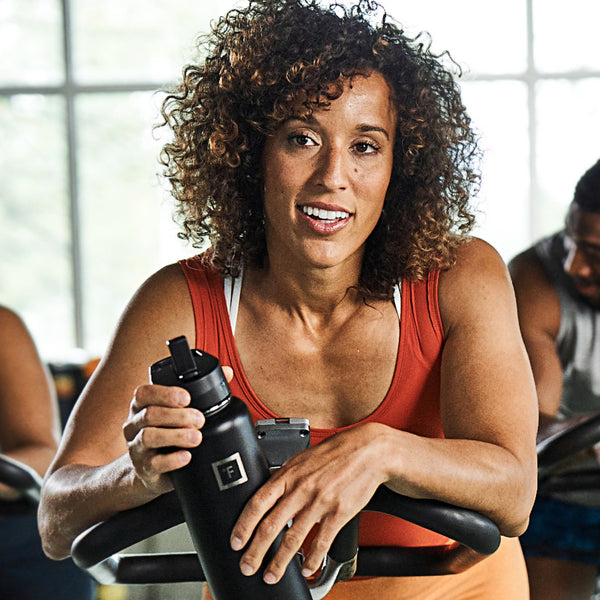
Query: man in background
{"points": [[557, 284]]}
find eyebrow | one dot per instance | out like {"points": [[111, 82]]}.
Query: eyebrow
{"points": [[363, 127], [368, 128]]}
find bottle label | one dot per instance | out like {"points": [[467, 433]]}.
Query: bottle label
{"points": [[230, 471]]}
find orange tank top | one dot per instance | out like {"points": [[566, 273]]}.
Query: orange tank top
{"points": [[411, 404]]}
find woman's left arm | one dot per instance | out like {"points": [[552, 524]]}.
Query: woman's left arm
{"points": [[488, 401], [486, 462]]}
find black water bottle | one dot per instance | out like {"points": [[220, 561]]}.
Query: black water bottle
{"points": [[224, 472]]}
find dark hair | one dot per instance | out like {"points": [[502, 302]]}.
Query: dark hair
{"points": [[264, 61], [587, 190]]}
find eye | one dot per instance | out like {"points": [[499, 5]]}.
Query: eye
{"points": [[301, 139], [366, 148]]}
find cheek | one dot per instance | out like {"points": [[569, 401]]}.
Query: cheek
{"points": [[375, 187]]}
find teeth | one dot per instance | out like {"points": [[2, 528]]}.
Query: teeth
{"points": [[325, 215]]}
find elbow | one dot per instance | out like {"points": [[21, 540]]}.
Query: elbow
{"points": [[54, 544], [516, 528], [523, 495]]}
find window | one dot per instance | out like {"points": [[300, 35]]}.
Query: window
{"points": [[84, 217]]}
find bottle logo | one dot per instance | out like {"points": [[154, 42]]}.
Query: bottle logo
{"points": [[230, 471]]}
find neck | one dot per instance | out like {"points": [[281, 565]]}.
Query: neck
{"points": [[313, 291]]}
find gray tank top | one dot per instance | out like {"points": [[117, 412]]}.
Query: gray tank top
{"points": [[578, 341]]}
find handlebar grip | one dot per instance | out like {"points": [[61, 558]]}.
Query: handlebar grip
{"points": [[460, 524], [126, 528], [567, 442], [25, 480]]}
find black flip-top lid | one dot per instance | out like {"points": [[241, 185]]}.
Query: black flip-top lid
{"points": [[199, 373]]}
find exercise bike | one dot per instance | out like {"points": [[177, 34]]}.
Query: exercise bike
{"points": [[98, 550]]}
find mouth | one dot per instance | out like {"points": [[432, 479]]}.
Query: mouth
{"points": [[587, 288], [322, 214]]}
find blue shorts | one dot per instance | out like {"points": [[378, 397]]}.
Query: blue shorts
{"points": [[563, 531], [27, 574]]}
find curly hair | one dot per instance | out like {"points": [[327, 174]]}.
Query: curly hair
{"points": [[263, 62]]}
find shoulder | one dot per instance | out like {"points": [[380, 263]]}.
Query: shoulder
{"points": [[478, 266], [15, 334], [165, 288], [536, 293], [527, 268], [476, 287], [10, 321], [160, 309]]}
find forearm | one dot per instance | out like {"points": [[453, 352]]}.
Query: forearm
{"points": [[477, 475], [38, 457], [76, 497]]}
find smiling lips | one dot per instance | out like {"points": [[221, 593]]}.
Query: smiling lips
{"points": [[323, 220]]}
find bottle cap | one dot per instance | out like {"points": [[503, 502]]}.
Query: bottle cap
{"points": [[199, 373]]}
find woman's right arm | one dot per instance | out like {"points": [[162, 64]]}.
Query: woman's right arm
{"points": [[108, 459]]}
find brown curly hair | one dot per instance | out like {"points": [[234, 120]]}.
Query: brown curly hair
{"points": [[264, 61]]}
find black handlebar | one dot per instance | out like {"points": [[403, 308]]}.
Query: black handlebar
{"points": [[559, 443], [475, 535], [24, 480], [565, 439]]}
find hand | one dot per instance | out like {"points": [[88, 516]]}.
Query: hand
{"points": [[325, 485], [160, 419]]}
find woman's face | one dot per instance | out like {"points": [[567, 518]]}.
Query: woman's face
{"points": [[326, 177]]}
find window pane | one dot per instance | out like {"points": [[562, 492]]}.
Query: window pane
{"points": [[124, 212], [504, 198], [136, 40], [483, 37], [566, 35], [568, 124], [35, 276], [30, 42]]}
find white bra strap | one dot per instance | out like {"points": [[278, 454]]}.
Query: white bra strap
{"points": [[232, 289], [398, 299]]}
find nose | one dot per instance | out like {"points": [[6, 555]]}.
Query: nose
{"points": [[332, 169], [576, 263]]}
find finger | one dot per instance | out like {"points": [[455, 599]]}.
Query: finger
{"points": [[154, 438], [159, 395], [266, 533], [228, 372], [160, 416], [262, 501], [291, 542], [152, 467], [320, 546], [159, 464]]}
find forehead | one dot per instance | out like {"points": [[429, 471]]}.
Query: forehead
{"points": [[582, 224], [360, 93]]}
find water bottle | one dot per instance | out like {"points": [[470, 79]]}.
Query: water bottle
{"points": [[224, 472]]}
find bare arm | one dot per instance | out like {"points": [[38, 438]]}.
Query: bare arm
{"points": [[29, 425], [108, 460], [486, 463], [539, 319]]}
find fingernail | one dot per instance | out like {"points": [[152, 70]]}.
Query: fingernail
{"points": [[236, 543], [270, 578], [306, 572], [246, 569]]}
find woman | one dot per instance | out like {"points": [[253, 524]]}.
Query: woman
{"points": [[329, 162]]}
